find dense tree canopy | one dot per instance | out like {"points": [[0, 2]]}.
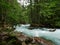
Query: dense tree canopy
{"points": [[10, 12], [45, 13], [41, 12]]}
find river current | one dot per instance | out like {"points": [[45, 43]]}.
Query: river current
{"points": [[53, 36]]}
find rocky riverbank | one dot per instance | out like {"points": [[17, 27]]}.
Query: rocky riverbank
{"points": [[18, 38]]}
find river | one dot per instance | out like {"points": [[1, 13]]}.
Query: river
{"points": [[53, 36]]}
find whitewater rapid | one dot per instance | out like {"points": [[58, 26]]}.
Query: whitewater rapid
{"points": [[54, 36]]}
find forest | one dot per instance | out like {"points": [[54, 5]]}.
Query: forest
{"points": [[39, 13]]}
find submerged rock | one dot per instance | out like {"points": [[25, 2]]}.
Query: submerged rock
{"points": [[51, 30]]}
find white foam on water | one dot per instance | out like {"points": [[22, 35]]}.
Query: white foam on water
{"points": [[54, 36]]}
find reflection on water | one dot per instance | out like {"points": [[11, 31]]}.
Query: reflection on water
{"points": [[54, 36]]}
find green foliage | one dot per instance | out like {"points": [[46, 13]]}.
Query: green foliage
{"points": [[40, 12], [45, 13], [11, 11]]}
